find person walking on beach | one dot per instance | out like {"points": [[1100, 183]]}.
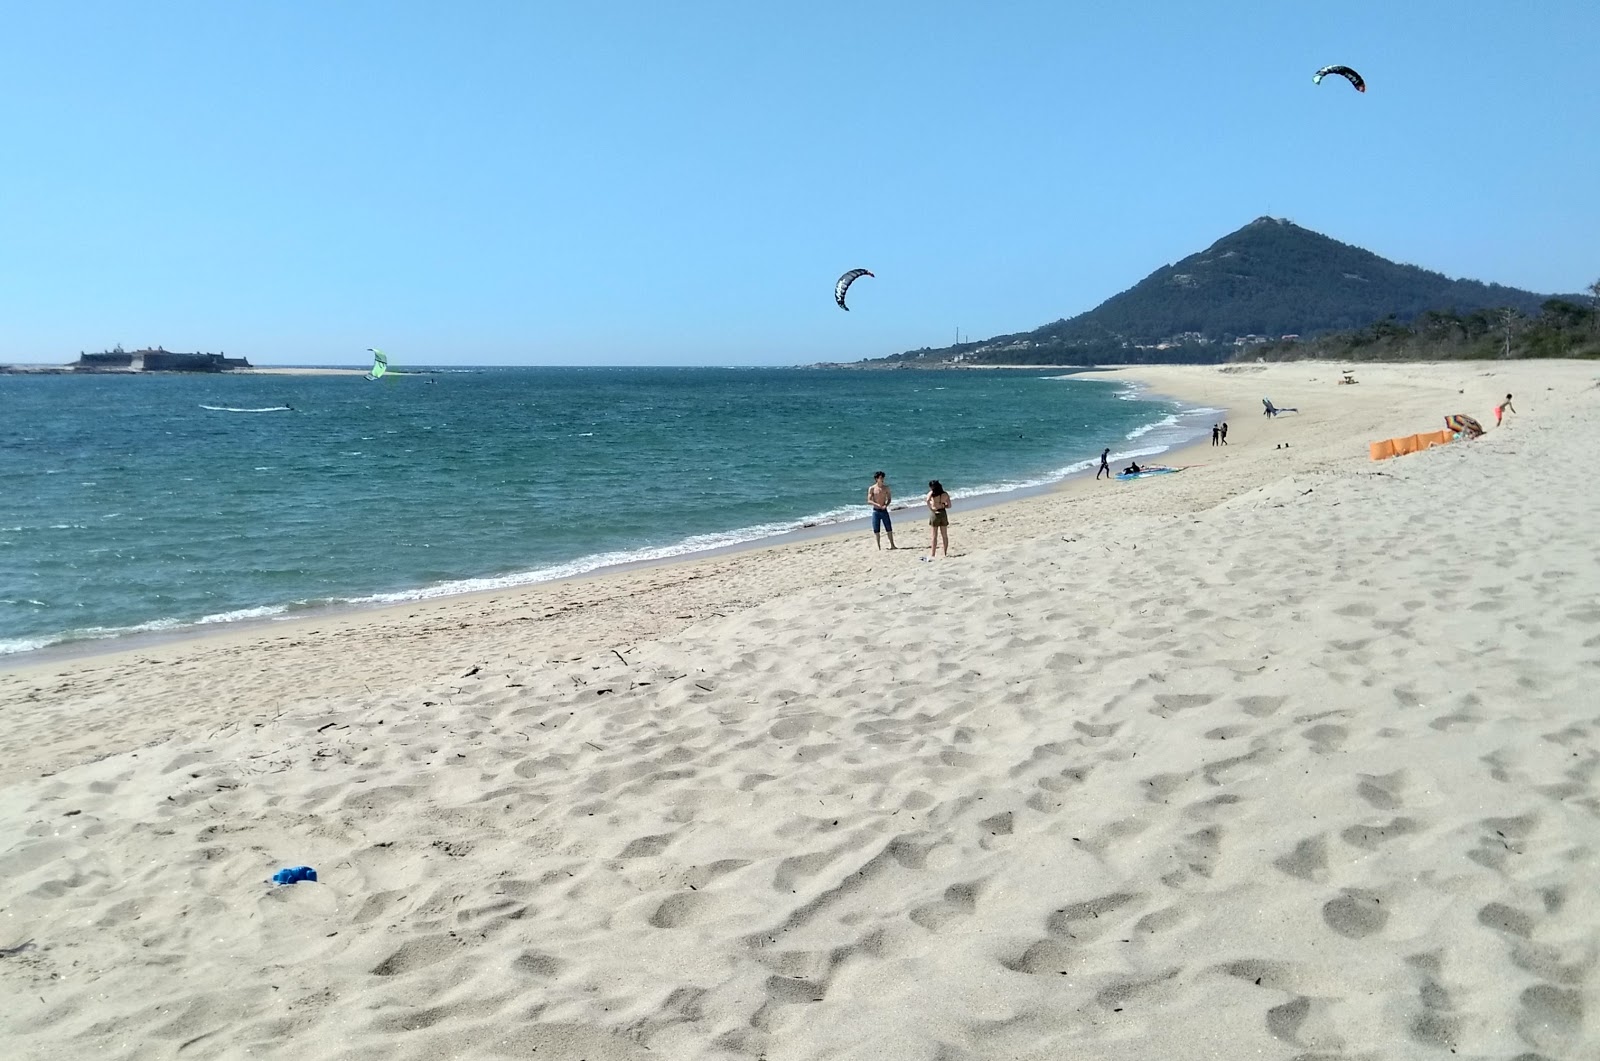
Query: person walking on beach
{"points": [[1224, 434], [1105, 464], [878, 497], [1216, 435], [938, 517], [1501, 410]]}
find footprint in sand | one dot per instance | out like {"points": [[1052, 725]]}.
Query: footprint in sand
{"points": [[679, 910], [1508, 919], [1171, 703], [411, 1020], [417, 954], [1198, 853], [995, 827], [1457, 718], [537, 965], [960, 900], [791, 871], [1371, 837], [1326, 739], [1551, 1017], [1263, 972], [1071, 777], [1046, 957], [646, 846], [1158, 787], [1305, 1022], [1119, 994], [1163, 920], [1213, 807], [1356, 914], [700, 876], [1382, 791], [1434, 1023], [1261, 706], [1086, 920], [785, 991]]}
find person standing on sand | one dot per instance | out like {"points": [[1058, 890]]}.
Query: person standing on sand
{"points": [[1216, 435], [1105, 464], [878, 497], [1224, 434], [1501, 410], [938, 517]]}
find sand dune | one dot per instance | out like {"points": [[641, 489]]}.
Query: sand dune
{"points": [[1290, 756]]}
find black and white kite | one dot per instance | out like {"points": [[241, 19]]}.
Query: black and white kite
{"points": [[1343, 71], [843, 286]]}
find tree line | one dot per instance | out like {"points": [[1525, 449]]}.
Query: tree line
{"points": [[1561, 328]]}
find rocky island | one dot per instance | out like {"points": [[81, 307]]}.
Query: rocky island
{"points": [[150, 359]]}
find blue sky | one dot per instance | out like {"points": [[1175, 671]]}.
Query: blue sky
{"points": [[653, 183]]}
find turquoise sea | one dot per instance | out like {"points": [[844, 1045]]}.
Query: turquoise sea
{"points": [[145, 502]]}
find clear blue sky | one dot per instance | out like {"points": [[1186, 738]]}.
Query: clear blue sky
{"points": [[681, 183]]}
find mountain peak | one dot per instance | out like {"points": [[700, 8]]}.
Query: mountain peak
{"points": [[1266, 279]]}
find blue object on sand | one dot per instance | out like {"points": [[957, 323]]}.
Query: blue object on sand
{"points": [[294, 875]]}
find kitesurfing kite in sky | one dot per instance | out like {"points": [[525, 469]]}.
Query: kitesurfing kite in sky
{"points": [[380, 363], [1342, 71], [843, 285]]}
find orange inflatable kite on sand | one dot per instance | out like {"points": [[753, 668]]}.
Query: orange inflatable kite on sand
{"points": [[1399, 447]]}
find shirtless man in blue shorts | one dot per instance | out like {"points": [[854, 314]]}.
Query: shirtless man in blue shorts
{"points": [[878, 498]]}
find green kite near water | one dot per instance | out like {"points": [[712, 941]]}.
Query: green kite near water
{"points": [[380, 363]]}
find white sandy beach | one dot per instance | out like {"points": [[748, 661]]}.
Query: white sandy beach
{"points": [[1289, 756]]}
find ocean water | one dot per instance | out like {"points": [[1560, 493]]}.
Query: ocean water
{"points": [[145, 502]]}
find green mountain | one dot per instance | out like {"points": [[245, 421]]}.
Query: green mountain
{"points": [[1267, 280]]}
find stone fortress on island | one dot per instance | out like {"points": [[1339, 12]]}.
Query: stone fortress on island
{"points": [[158, 359], [150, 359]]}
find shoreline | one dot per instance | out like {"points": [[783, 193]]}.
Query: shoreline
{"points": [[652, 599], [135, 639], [1200, 387], [1290, 753]]}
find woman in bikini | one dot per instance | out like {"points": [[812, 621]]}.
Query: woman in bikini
{"points": [[938, 517]]}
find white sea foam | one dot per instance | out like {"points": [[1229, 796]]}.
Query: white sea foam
{"points": [[266, 611], [26, 644], [103, 633], [1138, 432], [695, 543]]}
